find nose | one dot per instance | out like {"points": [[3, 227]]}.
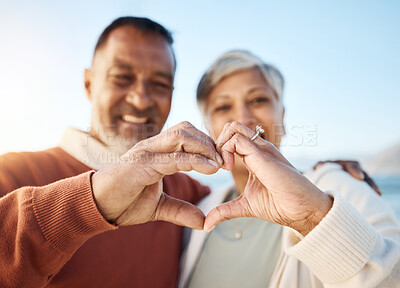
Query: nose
{"points": [[245, 116], [138, 96]]}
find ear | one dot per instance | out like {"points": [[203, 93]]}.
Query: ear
{"points": [[283, 120], [88, 82]]}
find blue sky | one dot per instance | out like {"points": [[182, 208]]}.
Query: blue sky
{"points": [[341, 61]]}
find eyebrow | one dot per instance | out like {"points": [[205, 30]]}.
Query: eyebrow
{"points": [[122, 65], [265, 89], [253, 89], [218, 97]]}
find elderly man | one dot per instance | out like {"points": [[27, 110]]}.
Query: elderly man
{"points": [[52, 231]]}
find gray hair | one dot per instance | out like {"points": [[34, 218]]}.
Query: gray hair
{"points": [[236, 61]]}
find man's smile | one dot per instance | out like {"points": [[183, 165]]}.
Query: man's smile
{"points": [[134, 119]]}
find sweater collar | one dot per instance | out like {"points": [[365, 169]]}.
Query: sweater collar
{"points": [[87, 149]]}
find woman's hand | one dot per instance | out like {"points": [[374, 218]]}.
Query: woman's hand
{"points": [[275, 191]]}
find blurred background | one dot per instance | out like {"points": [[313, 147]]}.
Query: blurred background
{"points": [[341, 61]]}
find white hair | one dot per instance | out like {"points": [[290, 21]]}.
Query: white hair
{"points": [[236, 61]]}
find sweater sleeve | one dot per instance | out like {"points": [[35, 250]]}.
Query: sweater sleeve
{"points": [[42, 227], [357, 244]]}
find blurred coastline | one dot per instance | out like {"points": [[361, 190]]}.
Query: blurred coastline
{"points": [[390, 187]]}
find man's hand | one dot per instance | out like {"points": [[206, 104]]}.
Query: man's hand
{"points": [[130, 191], [355, 170], [275, 191]]}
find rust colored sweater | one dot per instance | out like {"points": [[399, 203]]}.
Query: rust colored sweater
{"points": [[53, 234]]}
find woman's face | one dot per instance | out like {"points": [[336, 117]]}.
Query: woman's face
{"points": [[245, 97]]}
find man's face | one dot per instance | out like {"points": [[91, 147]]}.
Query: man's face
{"points": [[130, 87]]}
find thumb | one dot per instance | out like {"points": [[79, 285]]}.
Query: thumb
{"points": [[223, 212], [179, 212]]}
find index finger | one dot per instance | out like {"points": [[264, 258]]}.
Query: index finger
{"points": [[192, 129], [236, 127], [179, 139], [231, 129]]}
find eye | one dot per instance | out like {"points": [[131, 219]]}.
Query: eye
{"points": [[161, 87], [124, 77], [122, 80], [260, 100], [222, 108]]}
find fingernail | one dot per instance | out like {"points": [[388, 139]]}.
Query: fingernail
{"points": [[362, 176], [213, 163], [219, 159]]}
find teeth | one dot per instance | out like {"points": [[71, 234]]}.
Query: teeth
{"points": [[133, 119]]}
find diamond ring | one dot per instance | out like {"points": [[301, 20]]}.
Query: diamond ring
{"points": [[259, 130]]}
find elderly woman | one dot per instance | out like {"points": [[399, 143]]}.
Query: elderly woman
{"points": [[279, 228]]}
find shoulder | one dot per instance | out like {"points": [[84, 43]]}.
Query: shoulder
{"points": [[184, 187], [331, 177], [22, 161]]}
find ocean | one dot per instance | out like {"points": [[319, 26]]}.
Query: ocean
{"points": [[390, 186]]}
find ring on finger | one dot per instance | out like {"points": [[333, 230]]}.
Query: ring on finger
{"points": [[259, 130]]}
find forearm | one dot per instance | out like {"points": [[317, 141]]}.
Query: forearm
{"points": [[344, 250], [43, 226], [322, 206], [357, 244]]}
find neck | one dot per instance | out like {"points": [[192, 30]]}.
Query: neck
{"points": [[240, 178], [116, 146], [95, 135]]}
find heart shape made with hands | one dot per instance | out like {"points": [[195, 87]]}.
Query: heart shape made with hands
{"points": [[275, 191]]}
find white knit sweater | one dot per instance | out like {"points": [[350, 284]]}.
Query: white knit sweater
{"points": [[357, 244]]}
